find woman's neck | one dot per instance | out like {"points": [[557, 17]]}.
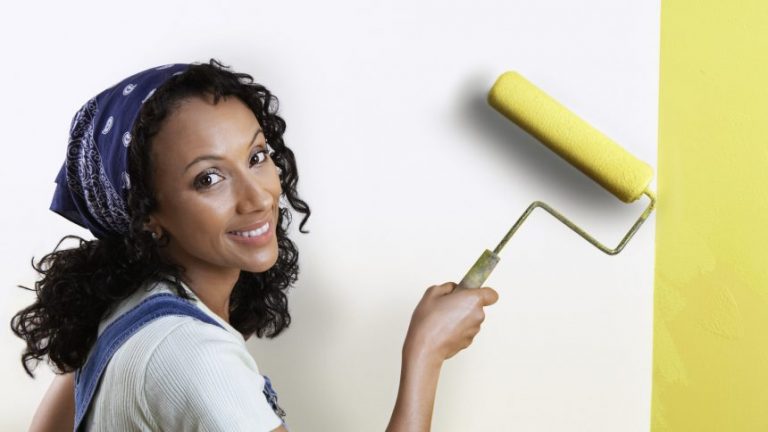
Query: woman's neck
{"points": [[213, 287]]}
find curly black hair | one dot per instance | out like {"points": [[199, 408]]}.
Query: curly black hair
{"points": [[81, 285]]}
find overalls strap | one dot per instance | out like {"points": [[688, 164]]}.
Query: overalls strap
{"points": [[153, 307]]}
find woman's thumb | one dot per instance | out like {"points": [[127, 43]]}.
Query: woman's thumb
{"points": [[489, 296]]}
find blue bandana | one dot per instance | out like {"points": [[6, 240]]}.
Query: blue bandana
{"points": [[92, 185]]}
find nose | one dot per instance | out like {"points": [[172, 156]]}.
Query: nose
{"points": [[253, 196]]}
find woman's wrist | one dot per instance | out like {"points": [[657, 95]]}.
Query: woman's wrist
{"points": [[420, 356], [419, 375]]}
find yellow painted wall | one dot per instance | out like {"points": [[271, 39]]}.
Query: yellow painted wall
{"points": [[711, 288]]}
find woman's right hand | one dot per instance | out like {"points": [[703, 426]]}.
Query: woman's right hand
{"points": [[446, 321], [443, 323]]}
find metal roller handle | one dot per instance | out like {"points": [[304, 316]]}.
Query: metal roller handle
{"points": [[480, 271]]}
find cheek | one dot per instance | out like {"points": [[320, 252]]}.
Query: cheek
{"points": [[193, 214]]}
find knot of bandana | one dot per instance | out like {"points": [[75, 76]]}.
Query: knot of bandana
{"points": [[93, 182]]}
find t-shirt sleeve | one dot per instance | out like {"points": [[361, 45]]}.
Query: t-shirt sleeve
{"points": [[200, 378]]}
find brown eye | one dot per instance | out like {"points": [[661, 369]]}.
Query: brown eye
{"points": [[259, 157], [206, 180]]}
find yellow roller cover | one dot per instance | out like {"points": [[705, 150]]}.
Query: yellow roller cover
{"points": [[569, 136]]}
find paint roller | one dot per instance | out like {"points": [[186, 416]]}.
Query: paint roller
{"points": [[579, 144]]}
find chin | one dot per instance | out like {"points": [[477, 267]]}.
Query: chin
{"points": [[261, 263], [258, 268]]}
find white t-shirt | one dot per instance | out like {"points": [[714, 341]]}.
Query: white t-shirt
{"points": [[180, 374]]}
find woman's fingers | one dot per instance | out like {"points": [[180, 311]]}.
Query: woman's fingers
{"points": [[440, 290], [489, 296], [446, 321]]}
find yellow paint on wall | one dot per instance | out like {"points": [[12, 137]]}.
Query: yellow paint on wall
{"points": [[711, 291]]}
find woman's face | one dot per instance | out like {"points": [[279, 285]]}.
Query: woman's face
{"points": [[217, 188]]}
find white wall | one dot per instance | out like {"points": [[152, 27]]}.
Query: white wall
{"points": [[410, 175]]}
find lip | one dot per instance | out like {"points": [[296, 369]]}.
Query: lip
{"points": [[260, 240], [252, 227]]}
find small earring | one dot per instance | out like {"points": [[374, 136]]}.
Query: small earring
{"points": [[155, 235]]}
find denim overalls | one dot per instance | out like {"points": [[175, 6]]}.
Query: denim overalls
{"points": [[87, 378]]}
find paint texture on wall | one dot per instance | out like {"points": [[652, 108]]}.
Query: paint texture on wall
{"points": [[711, 289]]}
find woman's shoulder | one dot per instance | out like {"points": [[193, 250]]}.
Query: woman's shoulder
{"points": [[200, 367], [179, 341], [145, 290], [163, 336], [176, 361], [196, 344], [163, 285], [174, 348], [171, 337]]}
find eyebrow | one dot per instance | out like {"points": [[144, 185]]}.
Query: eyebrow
{"points": [[216, 157]]}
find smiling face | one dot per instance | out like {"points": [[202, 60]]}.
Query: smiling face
{"points": [[217, 189]]}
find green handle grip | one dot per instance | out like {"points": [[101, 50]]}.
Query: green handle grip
{"points": [[480, 271]]}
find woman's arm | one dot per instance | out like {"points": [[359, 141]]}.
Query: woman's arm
{"points": [[443, 323], [56, 412], [416, 395]]}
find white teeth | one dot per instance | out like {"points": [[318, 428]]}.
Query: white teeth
{"points": [[254, 233]]}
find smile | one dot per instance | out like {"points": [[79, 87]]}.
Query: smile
{"points": [[253, 233]]}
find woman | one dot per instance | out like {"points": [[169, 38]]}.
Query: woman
{"points": [[180, 172]]}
